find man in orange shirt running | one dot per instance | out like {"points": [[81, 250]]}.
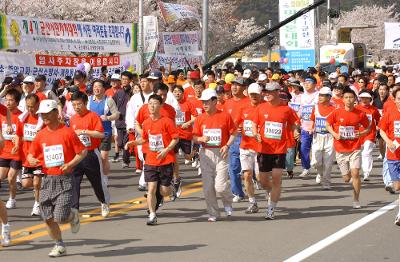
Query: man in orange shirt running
{"points": [[89, 129], [162, 136], [269, 124], [216, 131], [58, 150], [344, 125], [368, 141]]}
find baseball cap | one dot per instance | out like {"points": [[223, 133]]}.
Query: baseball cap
{"points": [[208, 94], [116, 77], [333, 75], [171, 79], [254, 88], [272, 86], [262, 77], [365, 95], [311, 79], [155, 75], [294, 82], [29, 79], [46, 106], [275, 77], [325, 91], [246, 73], [239, 81]]}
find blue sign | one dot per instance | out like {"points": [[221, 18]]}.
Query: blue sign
{"points": [[297, 59]]}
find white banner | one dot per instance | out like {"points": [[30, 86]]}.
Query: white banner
{"points": [[392, 36], [178, 61], [150, 29], [179, 42], [11, 64], [34, 34], [174, 12]]}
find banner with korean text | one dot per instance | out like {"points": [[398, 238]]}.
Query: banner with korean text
{"points": [[392, 36], [35, 34], [173, 12], [297, 41], [179, 42]]}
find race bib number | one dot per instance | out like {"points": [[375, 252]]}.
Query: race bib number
{"points": [[29, 132], [320, 125], [347, 132], [248, 128], [85, 139], [273, 130], [156, 143], [306, 112], [295, 106], [5, 134], [214, 135], [180, 118], [53, 155], [396, 129]]}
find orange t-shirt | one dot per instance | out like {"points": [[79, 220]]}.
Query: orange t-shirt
{"points": [[218, 127], [291, 142], [246, 116], [159, 134], [337, 102], [183, 115], [221, 106], [180, 82], [8, 144], [373, 116], [349, 123], [111, 92], [28, 127], [53, 148], [90, 121], [389, 105], [390, 124], [324, 112], [189, 93], [234, 107], [198, 105], [41, 96], [273, 122]]}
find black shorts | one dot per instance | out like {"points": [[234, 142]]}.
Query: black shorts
{"points": [[185, 145], [267, 162], [10, 163], [31, 171], [105, 143], [162, 174]]}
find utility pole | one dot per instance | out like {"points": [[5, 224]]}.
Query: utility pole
{"points": [[141, 37], [328, 21], [269, 45], [204, 37], [316, 26]]}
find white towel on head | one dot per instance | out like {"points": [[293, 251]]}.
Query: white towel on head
{"points": [[22, 118]]}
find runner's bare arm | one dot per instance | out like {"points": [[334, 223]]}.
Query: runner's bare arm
{"points": [[170, 147], [32, 161], [333, 133], [91, 133], [364, 132], [138, 128], [137, 142], [224, 150], [16, 140], [255, 132], [200, 139], [1, 141], [388, 141], [67, 167], [189, 123], [113, 109]]}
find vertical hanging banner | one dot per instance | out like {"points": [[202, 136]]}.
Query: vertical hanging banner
{"points": [[175, 12], [392, 36], [297, 41], [35, 34], [150, 29]]}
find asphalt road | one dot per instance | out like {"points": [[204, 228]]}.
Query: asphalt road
{"points": [[305, 215]]}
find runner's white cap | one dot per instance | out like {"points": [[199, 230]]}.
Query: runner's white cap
{"points": [[116, 77], [325, 91], [208, 94], [46, 106], [365, 94], [272, 86], [29, 79], [254, 88], [262, 77], [246, 73]]}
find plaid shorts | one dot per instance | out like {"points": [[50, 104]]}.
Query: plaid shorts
{"points": [[56, 198]]}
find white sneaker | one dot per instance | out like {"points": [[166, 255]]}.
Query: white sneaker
{"points": [[356, 205], [194, 163], [35, 209], [228, 211], [187, 162], [397, 220], [380, 156], [199, 172], [105, 210], [138, 171], [305, 173], [237, 199], [6, 235], [75, 223], [58, 251], [366, 177], [11, 203], [212, 219], [270, 214], [318, 179]]}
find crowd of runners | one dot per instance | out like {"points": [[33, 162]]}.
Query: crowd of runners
{"points": [[241, 128]]}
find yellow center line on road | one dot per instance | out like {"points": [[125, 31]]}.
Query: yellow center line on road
{"points": [[118, 210]]}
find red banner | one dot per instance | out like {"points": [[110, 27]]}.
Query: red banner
{"points": [[73, 61]]}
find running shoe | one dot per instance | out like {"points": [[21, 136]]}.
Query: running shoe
{"points": [[397, 220], [75, 223], [58, 251], [390, 189], [138, 171], [142, 188], [105, 209], [6, 236], [366, 178], [11, 203], [318, 179], [305, 173], [178, 187], [270, 214], [35, 209], [152, 221], [187, 162], [115, 159], [237, 199], [195, 162], [212, 219], [228, 211], [356, 205], [252, 208], [290, 174]]}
